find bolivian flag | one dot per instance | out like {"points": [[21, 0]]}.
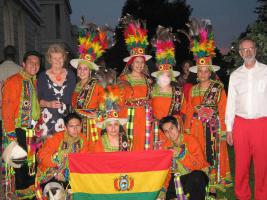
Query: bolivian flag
{"points": [[118, 175]]}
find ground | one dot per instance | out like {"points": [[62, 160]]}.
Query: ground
{"points": [[229, 194]]}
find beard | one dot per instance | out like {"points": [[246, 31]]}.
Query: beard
{"points": [[249, 59]]}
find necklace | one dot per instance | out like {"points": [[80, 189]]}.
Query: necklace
{"points": [[59, 77]]}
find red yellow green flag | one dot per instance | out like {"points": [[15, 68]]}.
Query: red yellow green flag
{"points": [[118, 175]]}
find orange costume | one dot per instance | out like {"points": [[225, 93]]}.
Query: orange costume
{"points": [[20, 108], [188, 156], [137, 103], [18, 105], [103, 144], [53, 157], [84, 99], [205, 120], [164, 104]]}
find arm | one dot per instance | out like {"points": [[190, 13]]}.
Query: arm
{"points": [[221, 110], [183, 107], [10, 106], [49, 148], [230, 106], [41, 90], [230, 111], [189, 112], [194, 158]]}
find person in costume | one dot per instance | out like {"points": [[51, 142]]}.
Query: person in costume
{"points": [[53, 155], [55, 87], [187, 174], [138, 105], [246, 121], [93, 41], [113, 136], [167, 97], [21, 110], [206, 107]]}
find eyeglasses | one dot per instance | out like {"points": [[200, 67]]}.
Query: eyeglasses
{"points": [[247, 49]]}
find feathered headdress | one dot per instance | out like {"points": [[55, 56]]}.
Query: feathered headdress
{"points": [[165, 51], [202, 43], [135, 35], [93, 41], [109, 108]]}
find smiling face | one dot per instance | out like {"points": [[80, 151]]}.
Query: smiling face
{"points": [[164, 78], [171, 131], [31, 65], [113, 128], [57, 59], [203, 73], [138, 65], [74, 127], [83, 71]]}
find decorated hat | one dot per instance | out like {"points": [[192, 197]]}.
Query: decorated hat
{"points": [[135, 35], [165, 51], [109, 110], [93, 41], [202, 44]]}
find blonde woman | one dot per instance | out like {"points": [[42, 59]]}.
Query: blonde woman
{"points": [[55, 87]]}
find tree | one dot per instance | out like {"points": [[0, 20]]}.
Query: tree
{"points": [[173, 14], [256, 31], [262, 10]]}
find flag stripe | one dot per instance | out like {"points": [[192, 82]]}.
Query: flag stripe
{"points": [[105, 183], [131, 196], [121, 162]]}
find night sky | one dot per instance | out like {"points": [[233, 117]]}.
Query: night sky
{"points": [[229, 17]]}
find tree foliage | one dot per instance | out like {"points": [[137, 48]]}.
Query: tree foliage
{"points": [[256, 31], [173, 14]]}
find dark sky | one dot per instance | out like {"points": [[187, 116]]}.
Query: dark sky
{"points": [[229, 17]]}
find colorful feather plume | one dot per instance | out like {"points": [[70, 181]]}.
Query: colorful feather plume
{"points": [[135, 33], [201, 38], [94, 40], [165, 49]]}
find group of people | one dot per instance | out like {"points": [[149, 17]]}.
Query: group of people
{"points": [[48, 117]]}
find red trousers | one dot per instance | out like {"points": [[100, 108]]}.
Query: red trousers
{"points": [[250, 143]]}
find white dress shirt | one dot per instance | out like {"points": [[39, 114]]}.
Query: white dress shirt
{"points": [[247, 94]]}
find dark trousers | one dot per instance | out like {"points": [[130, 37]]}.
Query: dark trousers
{"points": [[193, 184], [22, 178]]}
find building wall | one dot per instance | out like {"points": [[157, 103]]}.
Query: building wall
{"points": [[20, 25], [1, 30], [56, 26], [35, 24]]}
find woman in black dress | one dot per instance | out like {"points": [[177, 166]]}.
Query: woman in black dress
{"points": [[55, 87]]}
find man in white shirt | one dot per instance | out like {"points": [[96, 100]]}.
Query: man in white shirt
{"points": [[246, 122]]}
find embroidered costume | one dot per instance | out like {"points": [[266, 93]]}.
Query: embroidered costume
{"points": [[20, 109], [187, 173], [206, 110], [165, 103], [53, 158], [110, 112], [93, 41], [139, 102]]}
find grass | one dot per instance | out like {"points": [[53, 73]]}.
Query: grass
{"points": [[229, 194]]}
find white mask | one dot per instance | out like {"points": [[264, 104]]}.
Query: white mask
{"points": [[163, 80]]}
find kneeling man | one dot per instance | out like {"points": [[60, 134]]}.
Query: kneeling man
{"points": [[187, 177]]}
